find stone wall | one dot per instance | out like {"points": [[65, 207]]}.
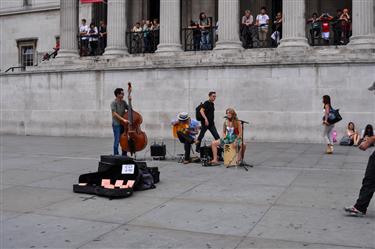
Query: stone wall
{"points": [[282, 101]]}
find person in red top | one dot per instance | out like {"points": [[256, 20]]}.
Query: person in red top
{"points": [[325, 18]]}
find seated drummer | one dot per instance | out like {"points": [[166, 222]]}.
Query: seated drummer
{"points": [[186, 129], [232, 134]]}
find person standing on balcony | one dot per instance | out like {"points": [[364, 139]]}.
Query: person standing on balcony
{"points": [[262, 23], [325, 18], [205, 26], [147, 30], [315, 28], [278, 29], [345, 26], [336, 27], [102, 36], [84, 38], [93, 39], [246, 26]]}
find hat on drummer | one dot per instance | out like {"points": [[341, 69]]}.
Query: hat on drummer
{"points": [[183, 116]]}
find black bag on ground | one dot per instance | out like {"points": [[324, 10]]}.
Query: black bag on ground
{"points": [[146, 179], [116, 168]]}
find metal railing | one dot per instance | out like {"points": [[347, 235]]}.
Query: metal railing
{"points": [[142, 42], [339, 33], [195, 39], [17, 67]]}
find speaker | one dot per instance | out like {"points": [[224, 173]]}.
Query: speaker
{"points": [[158, 151]]}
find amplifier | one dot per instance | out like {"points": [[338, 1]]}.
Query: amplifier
{"points": [[158, 151]]}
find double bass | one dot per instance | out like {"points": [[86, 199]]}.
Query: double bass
{"points": [[133, 139]]}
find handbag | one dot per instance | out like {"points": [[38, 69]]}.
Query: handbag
{"points": [[334, 116]]}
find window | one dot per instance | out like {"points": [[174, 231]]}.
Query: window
{"points": [[27, 51], [26, 3]]}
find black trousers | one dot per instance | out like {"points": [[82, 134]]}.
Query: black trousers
{"points": [[204, 128], [187, 141], [368, 186]]}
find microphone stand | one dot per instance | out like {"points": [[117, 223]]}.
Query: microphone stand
{"points": [[243, 163]]}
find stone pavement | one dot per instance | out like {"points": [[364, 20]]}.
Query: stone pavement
{"points": [[292, 198]]}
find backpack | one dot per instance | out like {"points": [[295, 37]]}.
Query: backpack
{"points": [[198, 114], [345, 141], [146, 179]]}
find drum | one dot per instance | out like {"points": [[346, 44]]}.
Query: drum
{"points": [[230, 155]]}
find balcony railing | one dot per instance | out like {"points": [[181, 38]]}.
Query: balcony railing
{"points": [[195, 39], [339, 33], [142, 42]]}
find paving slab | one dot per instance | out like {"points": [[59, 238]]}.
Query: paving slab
{"points": [[320, 197], [314, 225], [292, 198], [207, 217], [330, 178], [256, 243], [131, 236], [38, 231], [239, 191], [23, 177], [27, 199], [64, 182], [102, 209]]}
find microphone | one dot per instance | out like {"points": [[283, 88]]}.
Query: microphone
{"points": [[225, 117]]}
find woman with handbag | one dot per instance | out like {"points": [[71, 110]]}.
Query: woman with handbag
{"points": [[328, 127]]}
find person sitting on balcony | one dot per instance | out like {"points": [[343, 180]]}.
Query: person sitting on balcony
{"points": [[93, 39], [277, 27], [262, 23], [315, 27], [246, 26], [84, 38], [336, 27], [102, 36], [205, 26], [325, 18]]}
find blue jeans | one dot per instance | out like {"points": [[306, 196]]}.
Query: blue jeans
{"points": [[205, 40], [117, 131]]}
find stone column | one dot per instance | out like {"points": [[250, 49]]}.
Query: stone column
{"points": [[68, 29], [170, 28], [294, 34], [116, 28], [363, 36], [229, 23]]}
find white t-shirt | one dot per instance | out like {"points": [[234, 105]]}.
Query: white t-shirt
{"points": [[84, 29], [263, 19]]}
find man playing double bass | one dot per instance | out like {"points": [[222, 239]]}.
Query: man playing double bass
{"points": [[118, 107]]}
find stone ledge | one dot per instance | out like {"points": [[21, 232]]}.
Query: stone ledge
{"points": [[254, 57]]}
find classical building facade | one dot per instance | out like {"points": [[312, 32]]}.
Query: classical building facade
{"points": [[278, 90]]}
